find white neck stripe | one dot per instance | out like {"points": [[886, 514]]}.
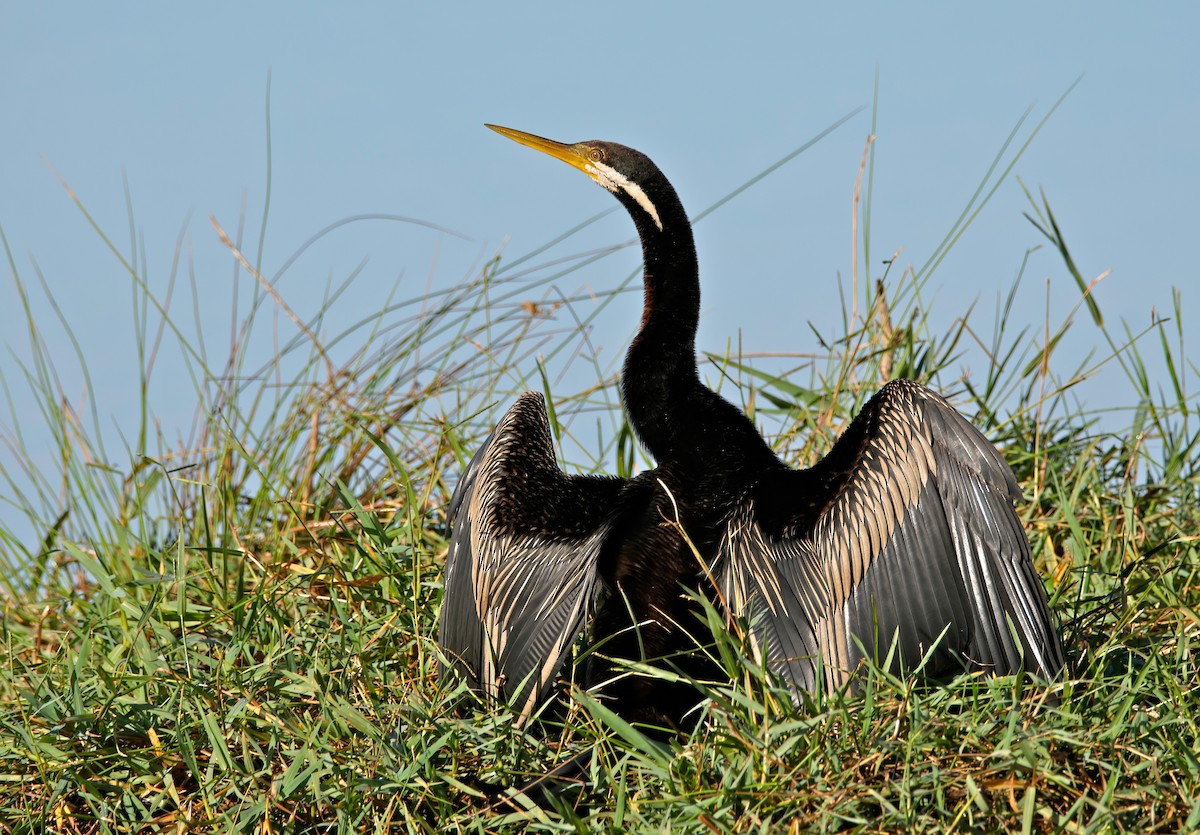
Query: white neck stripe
{"points": [[613, 180]]}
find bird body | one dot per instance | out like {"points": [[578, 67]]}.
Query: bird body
{"points": [[904, 537]]}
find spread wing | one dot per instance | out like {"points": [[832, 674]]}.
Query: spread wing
{"points": [[521, 570], [902, 539]]}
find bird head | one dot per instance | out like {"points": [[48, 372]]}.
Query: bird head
{"points": [[627, 173]]}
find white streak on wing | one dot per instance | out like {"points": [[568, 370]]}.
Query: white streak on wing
{"points": [[613, 180]]}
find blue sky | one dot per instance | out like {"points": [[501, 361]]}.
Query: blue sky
{"points": [[380, 107]]}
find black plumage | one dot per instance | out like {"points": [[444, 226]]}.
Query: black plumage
{"points": [[903, 537]]}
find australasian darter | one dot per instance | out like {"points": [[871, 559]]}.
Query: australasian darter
{"points": [[904, 537]]}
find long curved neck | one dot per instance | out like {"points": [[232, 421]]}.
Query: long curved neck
{"points": [[660, 383], [677, 417]]}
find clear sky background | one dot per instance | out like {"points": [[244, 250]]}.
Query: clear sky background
{"points": [[379, 108]]}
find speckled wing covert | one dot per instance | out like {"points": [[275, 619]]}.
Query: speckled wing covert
{"points": [[521, 570], [920, 549]]}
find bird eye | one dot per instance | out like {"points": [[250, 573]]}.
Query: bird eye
{"points": [[595, 155]]}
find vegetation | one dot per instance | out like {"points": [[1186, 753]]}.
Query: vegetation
{"points": [[237, 633]]}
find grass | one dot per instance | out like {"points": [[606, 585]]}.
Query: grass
{"points": [[236, 632]]}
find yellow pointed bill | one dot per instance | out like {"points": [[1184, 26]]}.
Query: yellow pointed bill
{"points": [[573, 155]]}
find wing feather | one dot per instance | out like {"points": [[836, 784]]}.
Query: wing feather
{"points": [[520, 573], [918, 544], [780, 589]]}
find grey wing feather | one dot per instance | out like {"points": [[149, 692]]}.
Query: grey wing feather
{"points": [[779, 588], [919, 548], [521, 569]]}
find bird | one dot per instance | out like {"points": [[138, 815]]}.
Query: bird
{"points": [[903, 542]]}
